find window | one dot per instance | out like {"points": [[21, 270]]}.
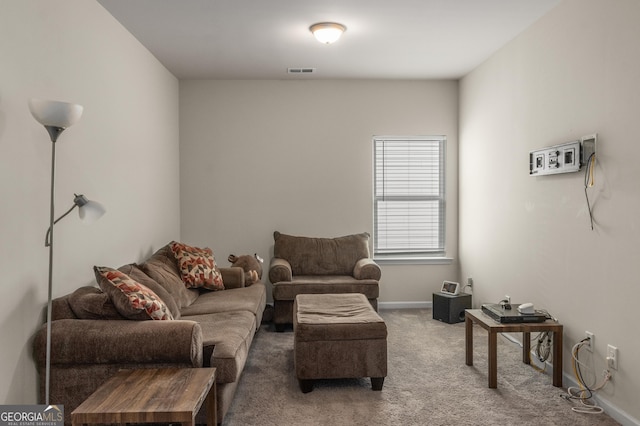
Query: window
{"points": [[409, 198]]}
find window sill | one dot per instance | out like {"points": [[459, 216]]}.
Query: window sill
{"points": [[413, 260]]}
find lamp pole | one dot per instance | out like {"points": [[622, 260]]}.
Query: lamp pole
{"points": [[54, 133]]}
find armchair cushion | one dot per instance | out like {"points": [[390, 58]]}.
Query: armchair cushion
{"points": [[321, 256], [313, 284]]}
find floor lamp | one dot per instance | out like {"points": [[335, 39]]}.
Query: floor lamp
{"points": [[56, 116]]}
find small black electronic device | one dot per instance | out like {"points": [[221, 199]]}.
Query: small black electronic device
{"points": [[450, 308], [498, 312], [449, 287]]}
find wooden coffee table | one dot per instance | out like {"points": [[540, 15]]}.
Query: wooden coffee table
{"points": [[493, 327], [172, 395]]}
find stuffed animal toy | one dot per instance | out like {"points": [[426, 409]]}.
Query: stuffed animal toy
{"points": [[251, 265]]}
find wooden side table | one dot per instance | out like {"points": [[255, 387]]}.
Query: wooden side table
{"points": [[493, 327], [171, 395]]}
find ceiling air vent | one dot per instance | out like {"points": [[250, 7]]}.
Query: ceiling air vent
{"points": [[301, 70]]}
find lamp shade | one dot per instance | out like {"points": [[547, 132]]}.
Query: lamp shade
{"points": [[327, 32], [91, 211], [55, 113], [88, 211]]}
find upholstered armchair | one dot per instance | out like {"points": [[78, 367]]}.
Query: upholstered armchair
{"points": [[303, 265]]}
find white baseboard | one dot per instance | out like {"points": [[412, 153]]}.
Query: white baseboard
{"points": [[405, 305]]}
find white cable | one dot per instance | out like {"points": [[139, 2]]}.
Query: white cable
{"points": [[574, 351], [581, 393]]}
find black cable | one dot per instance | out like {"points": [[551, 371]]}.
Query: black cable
{"points": [[590, 394], [543, 347], [584, 393]]}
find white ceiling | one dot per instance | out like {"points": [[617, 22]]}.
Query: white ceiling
{"points": [[260, 39]]}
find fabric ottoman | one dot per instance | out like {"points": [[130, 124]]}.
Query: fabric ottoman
{"points": [[338, 336]]}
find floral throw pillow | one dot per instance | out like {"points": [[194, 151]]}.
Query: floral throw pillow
{"points": [[131, 299], [197, 267]]}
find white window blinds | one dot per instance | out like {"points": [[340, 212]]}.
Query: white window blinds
{"points": [[409, 197]]}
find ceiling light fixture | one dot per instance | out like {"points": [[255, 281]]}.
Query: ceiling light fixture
{"points": [[327, 32]]}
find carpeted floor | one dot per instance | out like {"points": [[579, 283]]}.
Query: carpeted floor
{"points": [[428, 383]]}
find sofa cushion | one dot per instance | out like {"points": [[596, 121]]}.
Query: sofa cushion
{"points": [[288, 290], [60, 308], [197, 267], [163, 268], [134, 271], [92, 303], [228, 335], [251, 299], [132, 299], [321, 256]]}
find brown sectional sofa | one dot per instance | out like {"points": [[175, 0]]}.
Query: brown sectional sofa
{"points": [[91, 340], [305, 265]]}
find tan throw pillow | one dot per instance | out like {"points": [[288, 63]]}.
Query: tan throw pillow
{"points": [[197, 267], [131, 299]]}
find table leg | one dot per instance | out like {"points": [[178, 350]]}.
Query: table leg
{"points": [[526, 347], [212, 411], [557, 359], [493, 359], [468, 340]]}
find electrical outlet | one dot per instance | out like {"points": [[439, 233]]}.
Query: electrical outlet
{"points": [[612, 357], [470, 282], [562, 158], [591, 342]]}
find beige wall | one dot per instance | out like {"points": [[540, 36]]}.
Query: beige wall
{"points": [[573, 73], [123, 153], [296, 156]]}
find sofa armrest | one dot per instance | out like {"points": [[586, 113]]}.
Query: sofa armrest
{"points": [[76, 341], [232, 277], [279, 270], [367, 269]]}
